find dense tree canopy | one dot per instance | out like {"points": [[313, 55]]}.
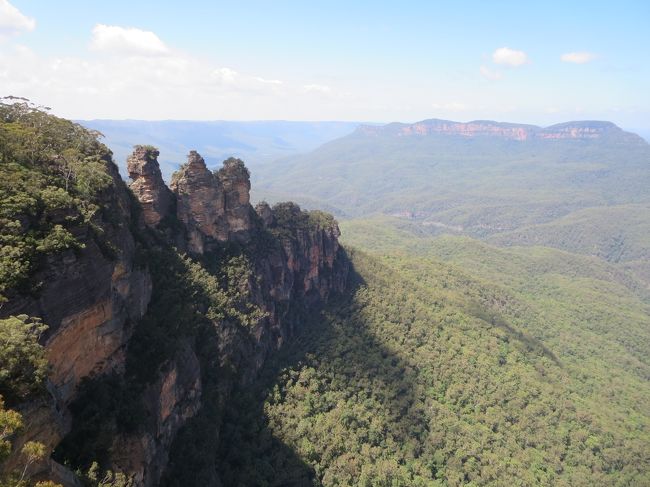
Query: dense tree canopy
{"points": [[429, 376]]}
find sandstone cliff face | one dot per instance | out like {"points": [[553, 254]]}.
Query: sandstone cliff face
{"points": [[170, 401], [471, 129], [584, 130], [90, 300], [310, 252], [148, 185], [300, 265], [95, 299], [304, 269]]}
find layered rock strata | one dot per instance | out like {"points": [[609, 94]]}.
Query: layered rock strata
{"points": [[94, 299], [90, 298], [583, 130]]}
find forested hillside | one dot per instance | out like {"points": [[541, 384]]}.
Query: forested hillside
{"points": [[587, 182], [533, 373], [456, 362]]}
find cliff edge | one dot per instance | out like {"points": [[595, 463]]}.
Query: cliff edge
{"points": [[161, 302]]}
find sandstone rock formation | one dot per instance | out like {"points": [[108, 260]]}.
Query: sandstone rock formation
{"points": [[170, 401], [235, 181], [264, 211], [214, 207], [95, 299], [90, 299], [148, 185], [200, 203]]}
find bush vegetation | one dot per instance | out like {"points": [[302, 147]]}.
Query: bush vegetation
{"points": [[23, 368], [51, 174]]}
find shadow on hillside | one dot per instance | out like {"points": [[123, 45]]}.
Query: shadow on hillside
{"points": [[251, 454], [527, 343]]}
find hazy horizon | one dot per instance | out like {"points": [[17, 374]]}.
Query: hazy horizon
{"points": [[336, 62], [642, 132]]}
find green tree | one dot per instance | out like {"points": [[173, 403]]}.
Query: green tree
{"points": [[10, 422], [23, 366]]}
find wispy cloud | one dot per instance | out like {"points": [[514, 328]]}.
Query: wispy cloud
{"points": [[13, 21], [235, 81], [322, 89], [142, 74], [267, 81], [490, 74], [509, 57], [578, 57], [126, 40]]}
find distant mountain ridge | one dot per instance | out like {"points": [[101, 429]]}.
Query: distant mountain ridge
{"points": [[587, 129], [483, 179]]}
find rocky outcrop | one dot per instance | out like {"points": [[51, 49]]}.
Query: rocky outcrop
{"points": [[265, 213], [239, 215], [470, 129], [96, 299], [585, 131], [213, 207], [301, 271], [90, 297], [297, 263], [200, 203], [148, 185], [310, 247]]}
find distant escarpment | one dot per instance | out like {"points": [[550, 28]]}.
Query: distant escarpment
{"points": [[579, 130], [159, 301]]}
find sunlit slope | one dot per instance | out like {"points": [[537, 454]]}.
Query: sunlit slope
{"points": [[616, 233], [461, 364]]}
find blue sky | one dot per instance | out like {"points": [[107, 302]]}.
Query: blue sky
{"points": [[534, 62]]}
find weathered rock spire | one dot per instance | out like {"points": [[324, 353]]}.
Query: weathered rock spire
{"points": [[148, 185], [235, 181], [200, 202]]}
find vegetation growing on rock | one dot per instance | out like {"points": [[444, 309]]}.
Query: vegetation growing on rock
{"points": [[51, 171]]}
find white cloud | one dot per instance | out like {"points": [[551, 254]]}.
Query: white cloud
{"points": [[13, 21], [268, 81], [322, 89], [126, 40], [578, 57], [231, 80], [225, 76], [509, 57], [135, 84], [489, 74]]}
